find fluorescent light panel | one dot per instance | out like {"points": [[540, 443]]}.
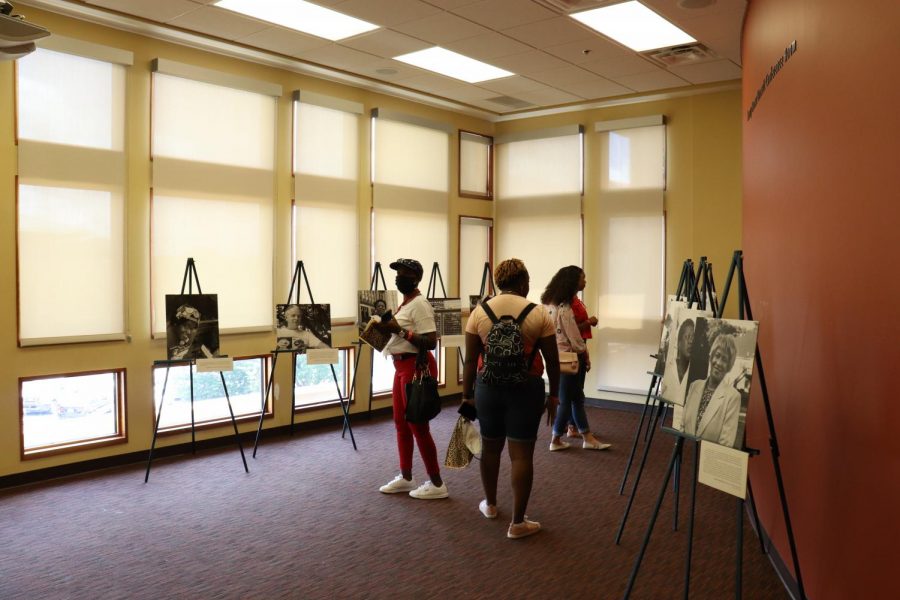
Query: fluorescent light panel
{"points": [[301, 16], [634, 25], [452, 64]]}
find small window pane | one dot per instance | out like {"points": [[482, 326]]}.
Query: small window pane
{"points": [[315, 384], [70, 409], [383, 371], [475, 164], [245, 390]]}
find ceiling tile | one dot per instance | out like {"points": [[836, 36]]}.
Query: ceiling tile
{"points": [[595, 88], [467, 93], [726, 47], [337, 56], [551, 32], [386, 12], [488, 46], [533, 61], [707, 72], [587, 50], [385, 43], [161, 10], [442, 28], [503, 14], [283, 41], [431, 82], [218, 22], [512, 85], [391, 70], [567, 74], [620, 66], [646, 82], [548, 96], [448, 4]]}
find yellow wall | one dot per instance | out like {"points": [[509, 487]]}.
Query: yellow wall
{"points": [[703, 210]]}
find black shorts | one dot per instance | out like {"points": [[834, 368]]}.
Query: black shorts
{"points": [[512, 412]]}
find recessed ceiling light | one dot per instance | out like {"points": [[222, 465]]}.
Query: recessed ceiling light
{"points": [[634, 25], [452, 64], [300, 16]]}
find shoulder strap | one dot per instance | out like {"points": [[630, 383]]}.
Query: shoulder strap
{"points": [[521, 318], [489, 312]]}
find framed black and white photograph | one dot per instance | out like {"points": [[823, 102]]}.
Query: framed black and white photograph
{"points": [[300, 327], [678, 356], [672, 308], [718, 383], [447, 316], [375, 303], [192, 326]]}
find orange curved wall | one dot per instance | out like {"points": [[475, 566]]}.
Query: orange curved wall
{"points": [[821, 231]]}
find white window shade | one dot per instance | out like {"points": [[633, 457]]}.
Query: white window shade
{"points": [[326, 171], [539, 199], [71, 176], [411, 194], [213, 194], [474, 252], [474, 164], [631, 228]]}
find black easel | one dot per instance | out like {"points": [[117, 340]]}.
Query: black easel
{"points": [[743, 309], [687, 275], [299, 273], [377, 275], [696, 288], [190, 277]]}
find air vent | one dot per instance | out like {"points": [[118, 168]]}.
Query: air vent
{"points": [[687, 54], [509, 102]]}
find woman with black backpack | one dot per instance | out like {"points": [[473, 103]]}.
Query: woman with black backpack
{"points": [[509, 391]]}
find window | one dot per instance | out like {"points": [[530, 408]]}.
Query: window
{"points": [[476, 165], [70, 197], [410, 173], [539, 178], [632, 251], [326, 173], [213, 149], [246, 386], [71, 412], [314, 385], [475, 249]]}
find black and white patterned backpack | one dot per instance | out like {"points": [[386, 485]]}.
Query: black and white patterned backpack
{"points": [[504, 350]]}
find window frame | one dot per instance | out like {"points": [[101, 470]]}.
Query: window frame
{"points": [[212, 424], [349, 353], [489, 195], [121, 437], [439, 358]]}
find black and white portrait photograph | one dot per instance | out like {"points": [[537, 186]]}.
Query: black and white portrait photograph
{"points": [[447, 316], [475, 300], [302, 326], [375, 303], [678, 356], [672, 308], [718, 387], [192, 326]]}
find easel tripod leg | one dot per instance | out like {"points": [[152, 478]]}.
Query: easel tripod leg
{"points": [[637, 435], [262, 409], [756, 524], [738, 574], [156, 428], [690, 544], [237, 436], [344, 409], [637, 478], [676, 451]]}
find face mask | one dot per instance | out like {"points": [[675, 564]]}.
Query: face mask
{"points": [[405, 284]]}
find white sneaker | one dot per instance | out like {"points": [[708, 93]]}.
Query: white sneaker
{"points": [[429, 491], [397, 485]]}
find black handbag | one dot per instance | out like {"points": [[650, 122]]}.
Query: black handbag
{"points": [[422, 400]]}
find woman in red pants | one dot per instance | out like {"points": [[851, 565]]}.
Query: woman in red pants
{"points": [[413, 330]]}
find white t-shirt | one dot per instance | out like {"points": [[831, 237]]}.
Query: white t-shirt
{"points": [[416, 316]]}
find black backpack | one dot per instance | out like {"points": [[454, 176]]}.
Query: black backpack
{"points": [[504, 349]]}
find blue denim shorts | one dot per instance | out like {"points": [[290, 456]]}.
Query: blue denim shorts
{"points": [[512, 412]]}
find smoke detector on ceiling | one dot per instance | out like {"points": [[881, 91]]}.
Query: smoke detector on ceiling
{"points": [[686, 54]]}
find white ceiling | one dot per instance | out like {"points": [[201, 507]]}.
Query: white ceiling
{"points": [[557, 60]]}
